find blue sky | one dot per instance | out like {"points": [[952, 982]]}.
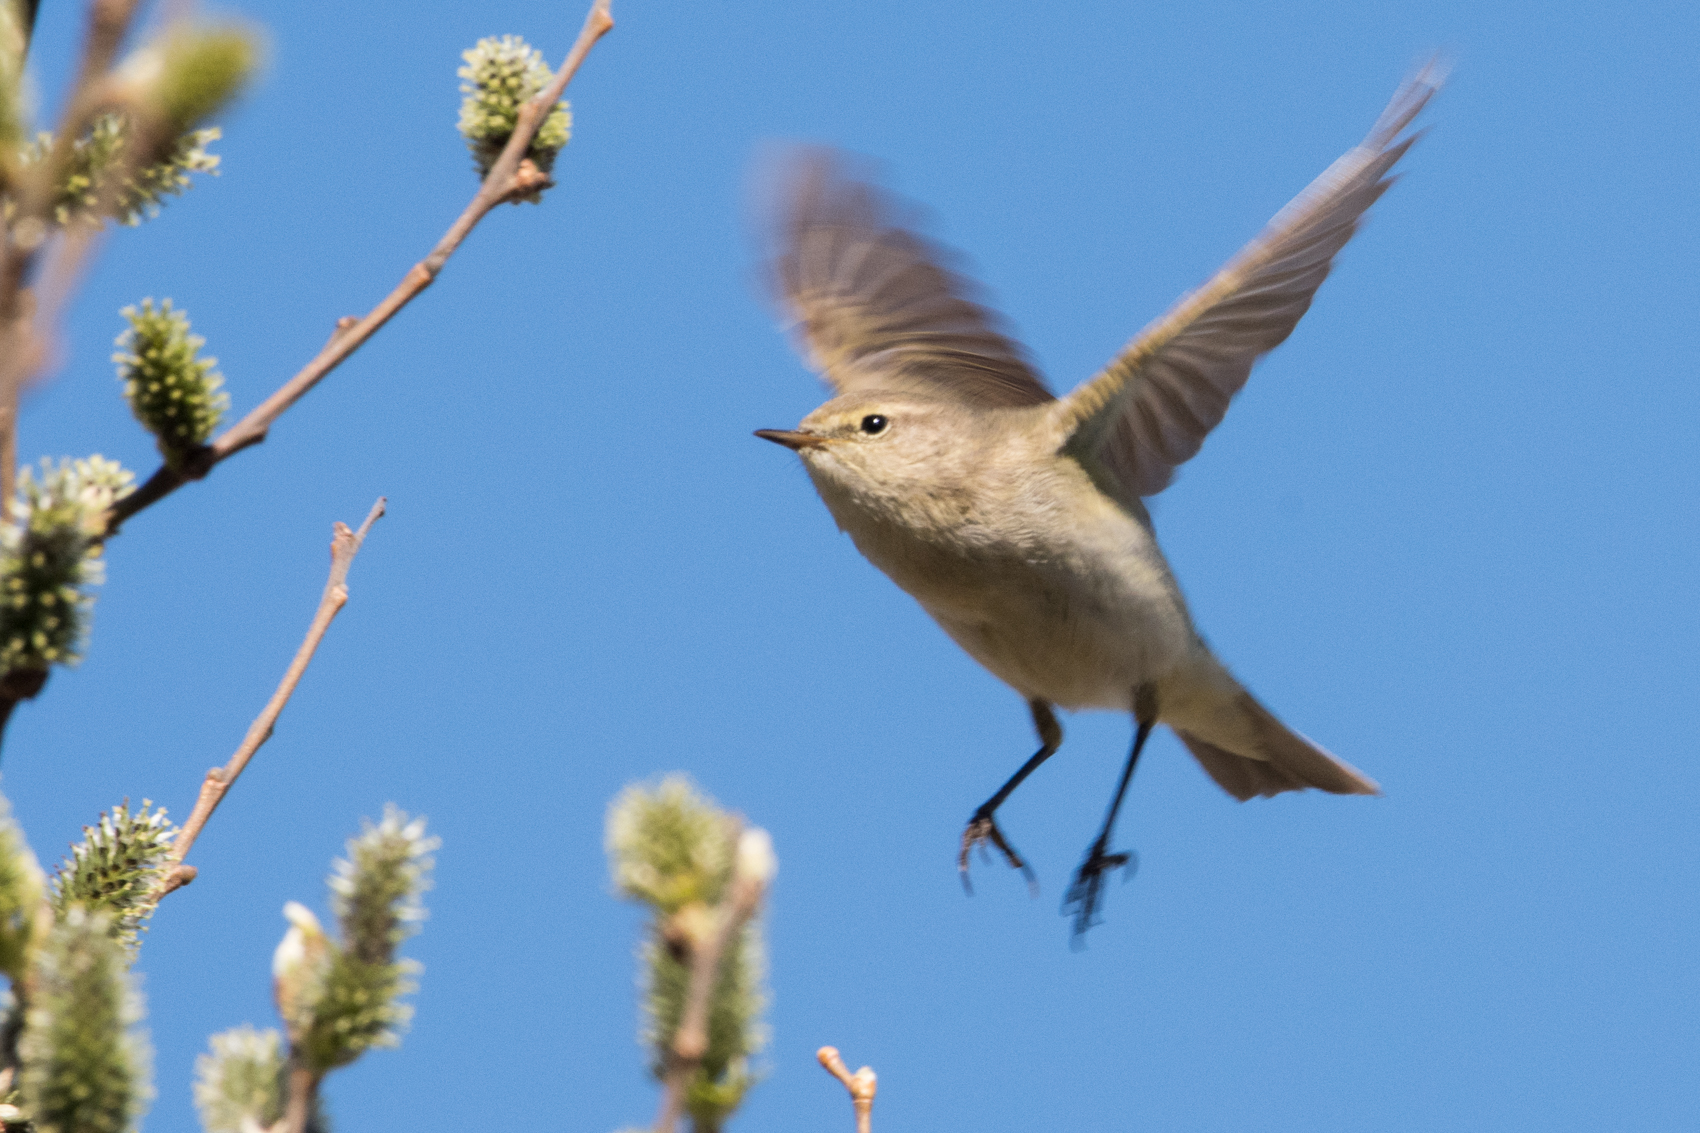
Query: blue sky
{"points": [[1448, 530]]}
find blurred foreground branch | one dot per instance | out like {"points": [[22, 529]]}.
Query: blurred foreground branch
{"points": [[751, 872], [861, 1085], [704, 874], [26, 229], [345, 544], [512, 176]]}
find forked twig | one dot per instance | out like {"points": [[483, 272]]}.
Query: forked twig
{"points": [[345, 544], [511, 176], [861, 1085]]}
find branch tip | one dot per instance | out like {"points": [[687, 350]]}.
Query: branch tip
{"points": [[862, 1085], [344, 546], [350, 333], [372, 517]]}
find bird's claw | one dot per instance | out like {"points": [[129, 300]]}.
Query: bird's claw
{"points": [[1086, 892], [982, 828]]}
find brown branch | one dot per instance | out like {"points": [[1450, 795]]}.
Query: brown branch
{"points": [[512, 175], [16, 686], [298, 1107], [345, 544], [25, 232], [690, 1042], [861, 1085]]}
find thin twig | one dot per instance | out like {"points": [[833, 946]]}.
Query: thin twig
{"points": [[690, 1042], [861, 1085], [298, 1107], [345, 544], [512, 175]]}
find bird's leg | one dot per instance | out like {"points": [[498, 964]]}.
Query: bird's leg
{"points": [[982, 827], [1086, 891]]}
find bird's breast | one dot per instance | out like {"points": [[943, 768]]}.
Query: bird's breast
{"points": [[1053, 587]]}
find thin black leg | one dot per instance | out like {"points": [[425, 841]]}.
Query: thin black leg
{"points": [[1086, 892], [982, 827]]}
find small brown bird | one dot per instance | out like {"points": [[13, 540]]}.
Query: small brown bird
{"points": [[1016, 519]]}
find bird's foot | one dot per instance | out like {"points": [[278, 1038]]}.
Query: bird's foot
{"points": [[983, 828], [1086, 892]]}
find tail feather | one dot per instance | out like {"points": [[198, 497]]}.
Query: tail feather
{"points": [[1284, 761]]}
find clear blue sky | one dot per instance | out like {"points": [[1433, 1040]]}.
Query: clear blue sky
{"points": [[1448, 530]]}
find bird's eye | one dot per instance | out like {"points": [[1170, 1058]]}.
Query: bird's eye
{"points": [[873, 423]]}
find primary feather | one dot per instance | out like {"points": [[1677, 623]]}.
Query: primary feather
{"points": [[1150, 409], [877, 306]]}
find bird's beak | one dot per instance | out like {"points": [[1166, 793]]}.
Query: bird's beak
{"points": [[791, 438]]}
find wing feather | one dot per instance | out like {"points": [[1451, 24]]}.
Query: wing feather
{"points": [[1150, 409], [879, 307]]}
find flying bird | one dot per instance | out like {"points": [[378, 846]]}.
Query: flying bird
{"points": [[1016, 519]]}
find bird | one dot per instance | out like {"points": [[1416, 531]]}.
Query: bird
{"points": [[1016, 518]]}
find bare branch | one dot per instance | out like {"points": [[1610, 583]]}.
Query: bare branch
{"points": [[298, 1107], [16, 686], [345, 544], [510, 177], [861, 1085], [690, 1042]]}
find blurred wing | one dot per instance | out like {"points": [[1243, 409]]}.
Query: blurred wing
{"points": [[1150, 409], [875, 305]]}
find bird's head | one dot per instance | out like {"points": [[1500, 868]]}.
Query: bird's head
{"points": [[877, 446]]}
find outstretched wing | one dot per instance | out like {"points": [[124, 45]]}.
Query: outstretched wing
{"points": [[1150, 409], [876, 306]]}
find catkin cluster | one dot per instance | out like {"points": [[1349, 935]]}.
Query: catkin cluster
{"points": [[118, 867], [172, 391], [100, 183], [48, 553], [341, 999], [500, 74], [85, 1066], [673, 849], [236, 1081]]}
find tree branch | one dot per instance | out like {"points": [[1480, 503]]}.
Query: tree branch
{"points": [[511, 176], [690, 1041], [345, 544], [861, 1085], [27, 10], [298, 1106], [24, 233]]}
